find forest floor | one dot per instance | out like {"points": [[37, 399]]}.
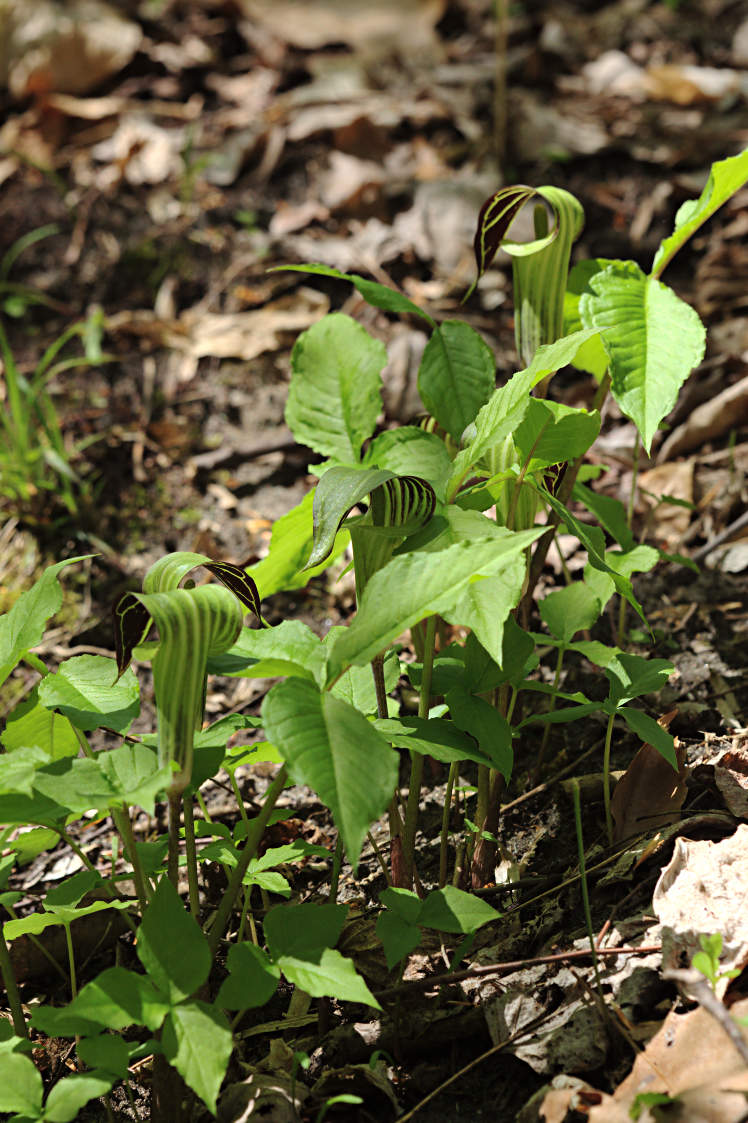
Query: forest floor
{"points": [[231, 138]]}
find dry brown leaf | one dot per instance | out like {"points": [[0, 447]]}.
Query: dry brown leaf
{"points": [[709, 420], [675, 479], [371, 28], [238, 335], [649, 794], [690, 1057], [63, 48]]}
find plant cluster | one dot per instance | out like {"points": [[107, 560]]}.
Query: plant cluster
{"points": [[454, 520]]}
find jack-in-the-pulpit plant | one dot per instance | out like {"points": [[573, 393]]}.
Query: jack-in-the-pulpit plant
{"points": [[453, 518]]}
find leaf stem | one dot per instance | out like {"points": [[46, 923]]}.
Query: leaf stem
{"points": [[454, 769], [11, 988], [583, 879], [254, 834], [175, 807], [416, 759], [191, 852], [606, 778]]}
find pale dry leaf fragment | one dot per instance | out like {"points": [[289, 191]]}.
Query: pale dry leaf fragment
{"points": [[380, 28], [350, 184], [70, 47], [692, 1058], [141, 151], [650, 793], [673, 480], [689, 85], [709, 420], [704, 889]]}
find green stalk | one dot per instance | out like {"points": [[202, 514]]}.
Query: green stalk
{"points": [[629, 521], [254, 834], [547, 731], [454, 769], [606, 779], [583, 877], [191, 851], [71, 961], [416, 759], [11, 988]]}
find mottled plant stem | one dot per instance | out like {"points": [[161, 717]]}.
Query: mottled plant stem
{"points": [[175, 807], [254, 834], [454, 769], [416, 759]]}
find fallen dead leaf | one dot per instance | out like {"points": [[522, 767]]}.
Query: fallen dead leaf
{"points": [[673, 479], [650, 793], [703, 890], [709, 420]]}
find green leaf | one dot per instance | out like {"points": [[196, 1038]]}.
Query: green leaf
{"points": [[337, 492], [485, 605], [76, 783], [197, 1041], [291, 648], [19, 768], [570, 610], [252, 980], [591, 356], [631, 676], [725, 178], [336, 751], [68, 1096], [72, 890], [23, 627], [334, 396], [451, 910], [398, 937], [552, 433], [86, 690], [416, 585], [21, 1087], [410, 451], [518, 658], [327, 973], [106, 1053], [114, 999], [652, 338], [290, 547], [30, 724], [167, 926], [506, 407], [457, 375], [593, 539], [434, 737], [489, 728], [609, 512], [650, 732], [294, 929], [356, 685], [38, 921], [134, 775], [379, 296]]}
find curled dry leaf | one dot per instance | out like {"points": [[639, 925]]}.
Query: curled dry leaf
{"points": [[650, 793]]}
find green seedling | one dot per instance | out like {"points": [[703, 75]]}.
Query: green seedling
{"points": [[707, 960]]}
